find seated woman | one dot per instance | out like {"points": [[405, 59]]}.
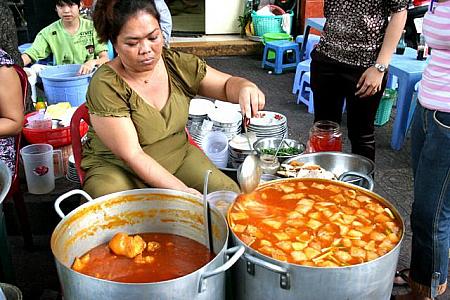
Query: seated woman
{"points": [[71, 40], [138, 105], [11, 110]]}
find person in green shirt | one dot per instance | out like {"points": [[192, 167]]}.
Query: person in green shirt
{"points": [[139, 103], [71, 40]]}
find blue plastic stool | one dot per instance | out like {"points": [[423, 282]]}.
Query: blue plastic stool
{"points": [[413, 106], [280, 48], [305, 94], [312, 42], [302, 67]]}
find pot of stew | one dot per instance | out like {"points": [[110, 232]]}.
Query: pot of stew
{"points": [[315, 239], [141, 244]]}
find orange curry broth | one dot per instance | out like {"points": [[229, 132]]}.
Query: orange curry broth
{"points": [[315, 223], [177, 257]]}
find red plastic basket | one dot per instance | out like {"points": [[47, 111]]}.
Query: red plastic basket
{"points": [[57, 137]]}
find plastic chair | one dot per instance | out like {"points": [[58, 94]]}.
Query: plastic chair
{"points": [[82, 113], [14, 192]]}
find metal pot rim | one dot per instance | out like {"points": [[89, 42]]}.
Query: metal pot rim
{"points": [[107, 197]]}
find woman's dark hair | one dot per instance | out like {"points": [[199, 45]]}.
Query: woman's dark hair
{"points": [[68, 2], [110, 15]]}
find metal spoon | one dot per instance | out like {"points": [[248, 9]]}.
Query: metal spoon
{"points": [[279, 147], [206, 214], [249, 172]]}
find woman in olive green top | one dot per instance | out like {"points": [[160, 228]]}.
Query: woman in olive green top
{"points": [[138, 105]]}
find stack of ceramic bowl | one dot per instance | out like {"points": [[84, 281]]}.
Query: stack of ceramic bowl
{"points": [[268, 124], [72, 171], [239, 148], [198, 111], [227, 121], [215, 146], [199, 131]]}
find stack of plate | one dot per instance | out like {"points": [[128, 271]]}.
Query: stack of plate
{"points": [[227, 121], [239, 148], [198, 111], [268, 124], [72, 171]]}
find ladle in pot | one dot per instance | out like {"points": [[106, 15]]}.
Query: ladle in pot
{"points": [[249, 172], [206, 213]]}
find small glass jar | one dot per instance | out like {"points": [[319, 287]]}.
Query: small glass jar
{"points": [[269, 164], [325, 136]]}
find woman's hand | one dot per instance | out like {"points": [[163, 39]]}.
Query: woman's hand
{"points": [[369, 83], [251, 100], [87, 67]]}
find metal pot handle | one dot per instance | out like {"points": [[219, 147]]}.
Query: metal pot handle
{"points": [[238, 251], [251, 261], [67, 195], [367, 178]]}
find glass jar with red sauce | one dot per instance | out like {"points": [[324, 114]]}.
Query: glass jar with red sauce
{"points": [[325, 136]]}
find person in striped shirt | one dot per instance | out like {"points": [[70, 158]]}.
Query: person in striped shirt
{"points": [[430, 217]]}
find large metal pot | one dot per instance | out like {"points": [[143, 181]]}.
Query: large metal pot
{"points": [[5, 180], [258, 276], [339, 164], [139, 211]]}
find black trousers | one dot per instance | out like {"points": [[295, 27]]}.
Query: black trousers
{"points": [[331, 83]]}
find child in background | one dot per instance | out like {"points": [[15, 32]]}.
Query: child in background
{"points": [[71, 40]]}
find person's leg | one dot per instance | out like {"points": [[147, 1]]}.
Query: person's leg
{"points": [[361, 114], [192, 173], [109, 179], [326, 85], [430, 217]]}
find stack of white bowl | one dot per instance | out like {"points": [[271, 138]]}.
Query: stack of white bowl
{"points": [[268, 124], [198, 111], [227, 121], [72, 174], [215, 146], [240, 148]]}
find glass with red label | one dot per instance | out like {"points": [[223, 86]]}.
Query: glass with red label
{"points": [[325, 136]]}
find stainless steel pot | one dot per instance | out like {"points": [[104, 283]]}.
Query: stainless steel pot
{"points": [[258, 276], [339, 163], [139, 211]]}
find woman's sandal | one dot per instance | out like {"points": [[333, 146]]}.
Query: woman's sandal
{"points": [[401, 278]]}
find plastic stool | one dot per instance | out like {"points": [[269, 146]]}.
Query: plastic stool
{"points": [[413, 106], [280, 48], [313, 40], [305, 94], [302, 67]]}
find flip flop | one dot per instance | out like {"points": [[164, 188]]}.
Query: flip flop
{"points": [[402, 275]]}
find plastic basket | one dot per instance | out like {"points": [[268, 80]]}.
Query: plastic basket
{"points": [[385, 107], [62, 84], [265, 24], [57, 137]]}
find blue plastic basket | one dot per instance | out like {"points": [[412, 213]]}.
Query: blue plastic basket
{"points": [[62, 84], [265, 24]]}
